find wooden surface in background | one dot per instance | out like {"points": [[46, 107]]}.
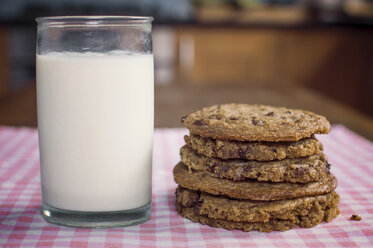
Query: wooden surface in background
{"points": [[336, 61], [174, 101], [4, 61], [19, 108]]}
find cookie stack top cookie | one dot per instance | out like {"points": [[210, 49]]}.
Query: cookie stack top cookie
{"points": [[242, 122]]}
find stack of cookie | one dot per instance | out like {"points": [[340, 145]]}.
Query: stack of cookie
{"points": [[255, 167]]}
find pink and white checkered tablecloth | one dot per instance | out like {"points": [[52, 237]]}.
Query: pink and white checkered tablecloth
{"points": [[21, 225]]}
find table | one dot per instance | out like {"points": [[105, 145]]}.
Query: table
{"points": [[351, 157], [177, 99]]}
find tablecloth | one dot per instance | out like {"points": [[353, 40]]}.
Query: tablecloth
{"points": [[351, 157]]}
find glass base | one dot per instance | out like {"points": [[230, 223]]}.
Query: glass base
{"points": [[96, 219]]}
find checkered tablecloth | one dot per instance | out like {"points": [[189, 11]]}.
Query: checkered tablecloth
{"points": [[21, 225]]}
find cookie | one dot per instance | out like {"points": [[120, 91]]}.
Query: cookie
{"points": [[250, 189], [326, 211], [260, 151], [244, 122], [303, 170], [215, 207]]}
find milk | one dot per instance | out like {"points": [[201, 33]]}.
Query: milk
{"points": [[95, 118]]}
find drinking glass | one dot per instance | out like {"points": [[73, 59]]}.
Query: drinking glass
{"points": [[95, 102]]}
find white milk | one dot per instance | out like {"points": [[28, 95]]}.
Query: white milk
{"points": [[95, 115]]}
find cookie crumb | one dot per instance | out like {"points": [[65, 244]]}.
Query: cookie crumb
{"points": [[355, 217]]}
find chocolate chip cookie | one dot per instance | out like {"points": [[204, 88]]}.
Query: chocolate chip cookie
{"points": [[243, 122], [250, 189], [215, 207], [260, 151], [261, 216], [296, 170]]}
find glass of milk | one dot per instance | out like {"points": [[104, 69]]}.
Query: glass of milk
{"points": [[95, 99]]}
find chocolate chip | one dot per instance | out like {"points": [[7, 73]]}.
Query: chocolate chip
{"points": [[198, 123], [213, 166], [270, 114], [247, 168], [254, 121], [233, 118], [242, 153], [257, 122], [197, 207], [274, 150], [258, 174], [300, 171], [328, 166], [192, 200], [183, 118]]}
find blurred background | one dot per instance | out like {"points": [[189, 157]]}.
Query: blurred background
{"points": [[310, 54]]}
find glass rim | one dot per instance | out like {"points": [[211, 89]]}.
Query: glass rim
{"points": [[94, 20]]}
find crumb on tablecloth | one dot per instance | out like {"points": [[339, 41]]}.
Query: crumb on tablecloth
{"points": [[355, 217]]}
